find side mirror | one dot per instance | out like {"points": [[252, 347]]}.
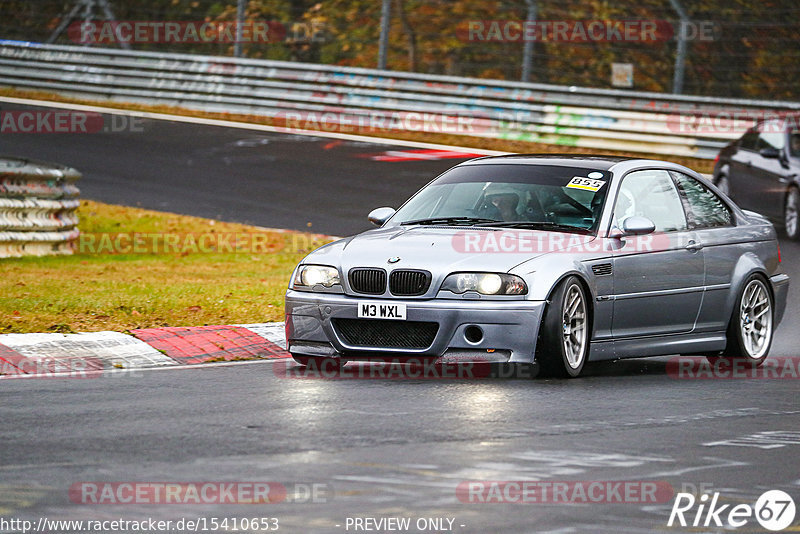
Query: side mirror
{"points": [[637, 225], [378, 216], [771, 153]]}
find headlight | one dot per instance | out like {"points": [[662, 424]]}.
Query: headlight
{"points": [[485, 283], [316, 275]]}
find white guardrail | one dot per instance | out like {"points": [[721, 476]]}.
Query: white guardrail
{"points": [[340, 96], [37, 208]]}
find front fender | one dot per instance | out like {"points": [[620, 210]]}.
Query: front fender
{"points": [[545, 273]]}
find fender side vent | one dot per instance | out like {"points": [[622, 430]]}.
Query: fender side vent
{"points": [[601, 269]]}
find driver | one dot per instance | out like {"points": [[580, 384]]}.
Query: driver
{"points": [[505, 200], [794, 143]]}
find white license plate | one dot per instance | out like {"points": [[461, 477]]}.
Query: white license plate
{"points": [[381, 310]]}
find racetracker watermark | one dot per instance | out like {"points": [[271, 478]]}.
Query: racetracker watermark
{"points": [[585, 31], [178, 243], [196, 243], [29, 367], [193, 32], [36, 121], [533, 241], [402, 369], [728, 121], [566, 492], [721, 368], [383, 122], [108, 493]]}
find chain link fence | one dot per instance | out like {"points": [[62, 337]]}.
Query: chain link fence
{"points": [[741, 49]]}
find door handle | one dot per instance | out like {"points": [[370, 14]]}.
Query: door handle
{"points": [[694, 246]]}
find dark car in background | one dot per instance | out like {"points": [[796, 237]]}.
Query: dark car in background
{"points": [[761, 171]]}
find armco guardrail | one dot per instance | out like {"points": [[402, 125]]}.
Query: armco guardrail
{"points": [[37, 208], [341, 97]]}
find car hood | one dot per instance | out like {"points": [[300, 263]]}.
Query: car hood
{"points": [[443, 249]]}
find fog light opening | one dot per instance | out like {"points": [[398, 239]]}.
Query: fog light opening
{"points": [[473, 334]]}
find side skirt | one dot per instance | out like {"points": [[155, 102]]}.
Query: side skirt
{"points": [[639, 347]]}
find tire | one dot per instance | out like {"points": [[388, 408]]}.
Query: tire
{"points": [[752, 324], [791, 206], [723, 184], [563, 344]]}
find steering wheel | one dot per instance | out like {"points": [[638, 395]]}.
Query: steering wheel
{"points": [[587, 212], [534, 210]]}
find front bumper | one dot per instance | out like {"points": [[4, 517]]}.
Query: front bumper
{"points": [[780, 289], [509, 327]]}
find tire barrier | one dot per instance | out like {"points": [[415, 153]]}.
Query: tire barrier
{"points": [[38, 202], [347, 98]]}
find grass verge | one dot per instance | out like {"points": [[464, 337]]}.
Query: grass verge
{"points": [[137, 268]]}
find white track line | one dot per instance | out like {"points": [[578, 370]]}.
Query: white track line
{"points": [[133, 371], [257, 127], [247, 126]]}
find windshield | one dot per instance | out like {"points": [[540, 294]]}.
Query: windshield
{"points": [[521, 195]]}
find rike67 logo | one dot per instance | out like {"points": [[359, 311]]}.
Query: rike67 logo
{"points": [[774, 510]]}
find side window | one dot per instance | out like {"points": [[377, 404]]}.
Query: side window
{"points": [[707, 209], [749, 140], [772, 135], [650, 194]]}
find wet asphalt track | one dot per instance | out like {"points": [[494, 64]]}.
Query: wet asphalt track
{"points": [[384, 448]]}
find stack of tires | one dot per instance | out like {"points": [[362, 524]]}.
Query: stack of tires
{"points": [[38, 203]]}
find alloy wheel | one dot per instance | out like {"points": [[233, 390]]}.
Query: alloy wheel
{"points": [[755, 319], [574, 326], [790, 212]]}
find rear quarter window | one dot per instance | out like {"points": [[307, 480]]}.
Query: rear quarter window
{"points": [[748, 141], [706, 209]]}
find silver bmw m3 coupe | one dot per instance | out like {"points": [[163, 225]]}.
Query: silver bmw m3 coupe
{"points": [[545, 261]]}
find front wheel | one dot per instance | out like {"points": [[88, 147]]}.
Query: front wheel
{"points": [[790, 211], [564, 341], [751, 327]]}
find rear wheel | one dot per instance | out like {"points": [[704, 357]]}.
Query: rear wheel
{"points": [[564, 341], [751, 326], [790, 212]]}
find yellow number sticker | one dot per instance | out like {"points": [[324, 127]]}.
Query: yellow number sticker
{"points": [[587, 184]]}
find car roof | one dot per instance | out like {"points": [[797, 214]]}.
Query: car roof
{"points": [[598, 162], [790, 120]]}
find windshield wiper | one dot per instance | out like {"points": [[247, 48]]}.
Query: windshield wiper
{"points": [[454, 221], [541, 224]]}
